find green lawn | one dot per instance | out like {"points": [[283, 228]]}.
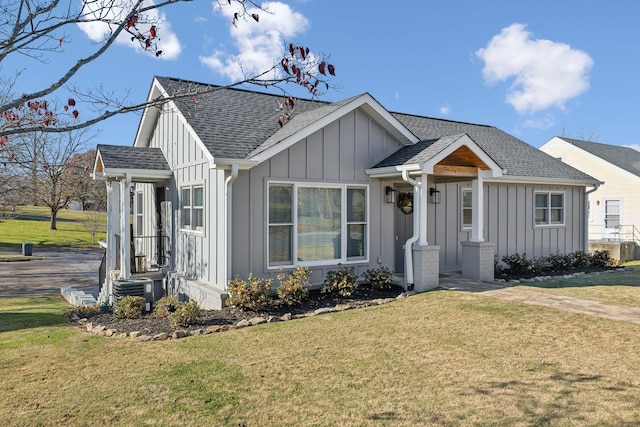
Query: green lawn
{"points": [[440, 358], [31, 224]]}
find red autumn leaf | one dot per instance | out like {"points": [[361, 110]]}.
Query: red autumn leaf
{"points": [[71, 102], [292, 49], [46, 167], [132, 21], [147, 44], [152, 31], [332, 69], [302, 53], [75, 113], [285, 65], [61, 40], [321, 68], [255, 16]]}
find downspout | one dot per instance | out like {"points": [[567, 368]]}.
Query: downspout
{"points": [[228, 182], [408, 253], [586, 219]]}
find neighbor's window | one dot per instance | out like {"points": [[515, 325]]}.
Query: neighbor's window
{"points": [[139, 216], [466, 209], [192, 207], [312, 224], [549, 208], [612, 213]]}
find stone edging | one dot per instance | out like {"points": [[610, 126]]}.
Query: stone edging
{"points": [[562, 276], [101, 330]]}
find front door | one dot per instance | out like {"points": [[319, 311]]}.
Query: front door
{"points": [[403, 223]]}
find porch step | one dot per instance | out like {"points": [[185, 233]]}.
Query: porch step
{"points": [[77, 298]]}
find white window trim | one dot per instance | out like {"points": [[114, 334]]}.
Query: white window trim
{"points": [[549, 193], [343, 223], [463, 226], [192, 229], [604, 211]]}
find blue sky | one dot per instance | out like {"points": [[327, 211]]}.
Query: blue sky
{"points": [[533, 69]]}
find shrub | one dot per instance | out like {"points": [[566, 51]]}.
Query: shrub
{"points": [[251, 294], [185, 314], [380, 278], [293, 288], [559, 262], [580, 259], [130, 307], [602, 259], [341, 282], [165, 306], [519, 264]]}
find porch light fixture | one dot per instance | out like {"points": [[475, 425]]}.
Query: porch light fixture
{"points": [[389, 194], [434, 195]]}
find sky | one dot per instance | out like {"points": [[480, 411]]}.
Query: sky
{"points": [[533, 69]]}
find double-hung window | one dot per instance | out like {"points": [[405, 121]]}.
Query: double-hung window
{"points": [[139, 215], [192, 207], [549, 208], [612, 213], [315, 223]]}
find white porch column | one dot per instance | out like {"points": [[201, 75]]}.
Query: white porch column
{"points": [[477, 209], [422, 211], [113, 227], [125, 232]]}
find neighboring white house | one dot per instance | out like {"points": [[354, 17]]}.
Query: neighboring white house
{"points": [[222, 190], [614, 208]]}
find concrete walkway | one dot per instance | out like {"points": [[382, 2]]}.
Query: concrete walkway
{"points": [[514, 293]]}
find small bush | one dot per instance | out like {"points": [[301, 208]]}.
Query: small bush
{"points": [[580, 259], [165, 306], [341, 282], [130, 307], [185, 314], [559, 262], [519, 264], [251, 294], [602, 259], [380, 278], [293, 288]]}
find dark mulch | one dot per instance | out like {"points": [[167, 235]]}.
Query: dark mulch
{"points": [[151, 325], [507, 275]]}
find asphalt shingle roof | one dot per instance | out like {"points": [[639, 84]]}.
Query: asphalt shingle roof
{"points": [[623, 157], [238, 124], [119, 157]]}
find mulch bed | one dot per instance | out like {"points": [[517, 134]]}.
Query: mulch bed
{"points": [[150, 325]]}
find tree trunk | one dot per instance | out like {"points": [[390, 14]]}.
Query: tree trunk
{"points": [[54, 217]]}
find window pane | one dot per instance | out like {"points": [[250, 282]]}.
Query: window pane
{"points": [[356, 234], [541, 216], [319, 223], [356, 205], [280, 204], [466, 199], [612, 213], [556, 216], [198, 196], [198, 217], [280, 244], [541, 200], [557, 200], [466, 217], [186, 217], [186, 197]]}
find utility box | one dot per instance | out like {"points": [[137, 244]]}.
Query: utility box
{"points": [[27, 249]]}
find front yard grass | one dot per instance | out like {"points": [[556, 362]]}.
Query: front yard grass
{"points": [[439, 358]]}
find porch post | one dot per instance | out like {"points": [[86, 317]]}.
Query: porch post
{"points": [[125, 232], [422, 211], [477, 209], [113, 225]]}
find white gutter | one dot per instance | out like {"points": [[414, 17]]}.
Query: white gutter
{"points": [[408, 253], [227, 221], [586, 215]]}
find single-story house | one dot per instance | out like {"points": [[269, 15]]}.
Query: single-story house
{"points": [[217, 188], [614, 208]]}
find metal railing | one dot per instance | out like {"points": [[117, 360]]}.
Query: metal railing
{"points": [[155, 248], [621, 233]]}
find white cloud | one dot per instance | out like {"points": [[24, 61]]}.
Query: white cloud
{"points": [[544, 73], [259, 44], [97, 31], [542, 123], [445, 110]]}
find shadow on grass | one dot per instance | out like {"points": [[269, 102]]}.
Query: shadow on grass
{"points": [[32, 312], [17, 321], [626, 276]]}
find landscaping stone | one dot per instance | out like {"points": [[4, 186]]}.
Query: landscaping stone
{"points": [[243, 323], [324, 310], [257, 321], [160, 337], [180, 333], [286, 317]]}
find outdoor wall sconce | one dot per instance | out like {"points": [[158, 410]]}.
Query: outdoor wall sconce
{"points": [[389, 195], [434, 195]]}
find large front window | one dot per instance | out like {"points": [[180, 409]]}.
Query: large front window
{"points": [[549, 208], [312, 224]]}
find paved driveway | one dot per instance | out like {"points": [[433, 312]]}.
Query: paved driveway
{"points": [[46, 276]]}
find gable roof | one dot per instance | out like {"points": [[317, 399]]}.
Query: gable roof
{"points": [[243, 125], [625, 158], [142, 163]]}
